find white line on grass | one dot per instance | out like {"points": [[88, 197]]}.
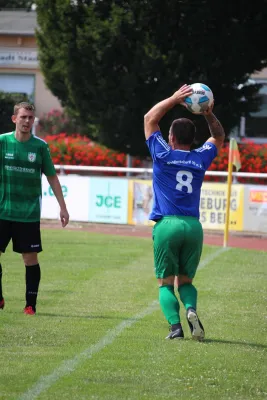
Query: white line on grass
{"points": [[212, 257], [69, 366]]}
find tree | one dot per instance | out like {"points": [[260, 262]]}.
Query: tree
{"points": [[7, 102], [110, 61]]}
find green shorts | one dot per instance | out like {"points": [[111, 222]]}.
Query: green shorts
{"points": [[178, 245]]}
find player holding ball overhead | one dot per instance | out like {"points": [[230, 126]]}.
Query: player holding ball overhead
{"points": [[178, 174]]}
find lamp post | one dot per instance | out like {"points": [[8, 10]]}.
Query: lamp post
{"points": [[242, 124]]}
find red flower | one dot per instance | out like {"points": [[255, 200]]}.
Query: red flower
{"points": [[80, 150], [253, 159]]}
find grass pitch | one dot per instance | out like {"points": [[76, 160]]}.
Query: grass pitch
{"points": [[99, 332]]}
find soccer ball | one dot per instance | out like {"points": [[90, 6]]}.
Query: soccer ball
{"points": [[200, 99]]}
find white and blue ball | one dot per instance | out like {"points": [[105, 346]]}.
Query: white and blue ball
{"points": [[200, 99]]}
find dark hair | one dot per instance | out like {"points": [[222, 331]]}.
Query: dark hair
{"points": [[183, 130], [25, 105]]}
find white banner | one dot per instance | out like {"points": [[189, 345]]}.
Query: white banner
{"points": [[255, 215], [108, 200], [76, 194]]}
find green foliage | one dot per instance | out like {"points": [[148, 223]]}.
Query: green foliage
{"points": [[7, 102], [55, 122], [109, 62]]}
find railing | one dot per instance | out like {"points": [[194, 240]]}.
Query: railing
{"points": [[147, 171]]}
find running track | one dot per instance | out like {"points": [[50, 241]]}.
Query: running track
{"points": [[245, 241]]}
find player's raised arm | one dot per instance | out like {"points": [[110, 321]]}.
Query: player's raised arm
{"points": [[152, 118], [216, 129]]}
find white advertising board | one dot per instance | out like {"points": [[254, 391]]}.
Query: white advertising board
{"points": [[108, 200], [76, 194], [255, 210]]}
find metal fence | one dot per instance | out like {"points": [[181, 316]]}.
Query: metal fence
{"points": [[145, 172]]}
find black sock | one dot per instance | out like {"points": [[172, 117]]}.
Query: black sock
{"points": [[1, 294], [33, 276]]}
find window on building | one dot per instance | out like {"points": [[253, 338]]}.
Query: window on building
{"points": [[18, 83], [256, 123]]}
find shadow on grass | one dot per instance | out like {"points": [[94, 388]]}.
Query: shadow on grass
{"points": [[41, 314], [235, 342]]}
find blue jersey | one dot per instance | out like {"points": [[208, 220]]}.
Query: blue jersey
{"points": [[177, 177]]}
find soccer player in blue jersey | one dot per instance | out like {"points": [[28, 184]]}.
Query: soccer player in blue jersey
{"points": [[178, 174]]}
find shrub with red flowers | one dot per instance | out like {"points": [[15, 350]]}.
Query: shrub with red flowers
{"points": [[253, 159], [54, 122], [80, 150]]}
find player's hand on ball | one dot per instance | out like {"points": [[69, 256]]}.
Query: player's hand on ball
{"points": [[182, 93], [208, 111]]}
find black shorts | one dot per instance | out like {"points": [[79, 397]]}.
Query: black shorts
{"points": [[26, 236]]}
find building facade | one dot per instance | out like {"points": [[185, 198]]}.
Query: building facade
{"points": [[256, 123], [19, 67]]}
